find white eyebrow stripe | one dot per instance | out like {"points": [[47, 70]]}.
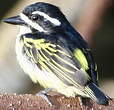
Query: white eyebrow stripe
{"points": [[31, 23], [52, 20]]}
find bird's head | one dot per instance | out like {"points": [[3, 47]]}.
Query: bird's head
{"points": [[41, 17]]}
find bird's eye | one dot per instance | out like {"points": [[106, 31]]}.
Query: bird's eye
{"points": [[34, 17]]}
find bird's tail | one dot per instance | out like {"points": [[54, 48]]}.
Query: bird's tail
{"points": [[96, 94]]}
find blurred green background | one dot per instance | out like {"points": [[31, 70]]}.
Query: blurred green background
{"points": [[94, 19]]}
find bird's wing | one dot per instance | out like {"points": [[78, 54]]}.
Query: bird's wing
{"points": [[82, 44], [56, 57], [92, 70]]}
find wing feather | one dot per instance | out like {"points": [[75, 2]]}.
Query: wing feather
{"points": [[56, 60]]}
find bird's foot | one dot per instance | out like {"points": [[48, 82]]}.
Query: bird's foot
{"points": [[81, 102], [44, 95]]}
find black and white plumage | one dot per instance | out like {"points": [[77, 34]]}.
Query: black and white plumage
{"points": [[54, 54]]}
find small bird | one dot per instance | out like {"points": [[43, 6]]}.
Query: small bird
{"points": [[54, 54]]}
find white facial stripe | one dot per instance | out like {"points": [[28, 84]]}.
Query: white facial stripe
{"points": [[34, 25], [52, 20]]}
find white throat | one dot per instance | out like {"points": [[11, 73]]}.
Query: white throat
{"points": [[24, 30]]}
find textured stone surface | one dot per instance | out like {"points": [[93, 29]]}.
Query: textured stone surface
{"points": [[32, 102]]}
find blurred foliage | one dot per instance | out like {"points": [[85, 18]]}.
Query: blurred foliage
{"points": [[103, 46], [6, 5]]}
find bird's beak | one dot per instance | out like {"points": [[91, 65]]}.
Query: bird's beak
{"points": [[16, 20]]}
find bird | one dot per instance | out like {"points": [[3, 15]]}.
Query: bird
{"points": [[54, 54]]}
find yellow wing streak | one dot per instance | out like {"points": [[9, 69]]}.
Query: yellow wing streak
{"points": [[43, 55], [44, 67], [59, 71], [64, 75], [63, 68], [62, 51], [65, 61], [81, 58], [27, 52]]}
